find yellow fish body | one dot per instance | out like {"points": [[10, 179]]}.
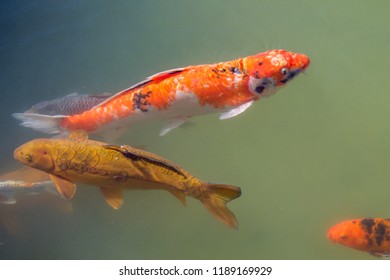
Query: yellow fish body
{"points": [[115, 168]]}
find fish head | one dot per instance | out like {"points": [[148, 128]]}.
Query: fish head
{"points": [[350, 234], [37, 154], [272, 69]]}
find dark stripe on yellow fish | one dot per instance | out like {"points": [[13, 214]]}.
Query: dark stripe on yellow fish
{"points": [[136, 156]]}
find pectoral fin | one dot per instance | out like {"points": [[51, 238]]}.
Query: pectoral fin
{"points": [[114, 197], [235, 111], [173, 123], [66, 188]]}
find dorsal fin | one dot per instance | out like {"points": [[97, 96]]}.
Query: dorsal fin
{"points": [[165, 74], [136, 155], [154, 78], [78, 135]]}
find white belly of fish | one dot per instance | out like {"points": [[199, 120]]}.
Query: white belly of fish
{"points": [[184, 106]]}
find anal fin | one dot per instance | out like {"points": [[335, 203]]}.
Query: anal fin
{"points": [[179, 195], [114, 197], [66, 188]]}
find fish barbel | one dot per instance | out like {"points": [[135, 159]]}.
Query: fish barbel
{"points": [[115, 168], [371, 235], [176, 95]]}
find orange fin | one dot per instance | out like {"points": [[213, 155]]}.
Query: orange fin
{"points": [[78, 135], [215, 201], [66, 188], [114, 197], [165, 74], [179, 194], [154, 78]]}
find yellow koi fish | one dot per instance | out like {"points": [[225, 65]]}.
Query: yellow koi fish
{"points": [[115, 168]]}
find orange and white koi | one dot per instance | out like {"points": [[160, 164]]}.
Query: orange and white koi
{"points": [[176, 95], [369, 234]]}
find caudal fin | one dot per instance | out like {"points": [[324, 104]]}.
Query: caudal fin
{"points": [[215, 200], [44, 123]]}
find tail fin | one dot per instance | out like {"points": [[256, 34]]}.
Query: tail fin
{"points": [[44, 123], [215, 200]]}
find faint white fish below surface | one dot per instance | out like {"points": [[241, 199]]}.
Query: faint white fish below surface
{"points": [[24, 181]]}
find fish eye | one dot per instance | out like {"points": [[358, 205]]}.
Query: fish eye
{"points": [[28, 158], [284, 71]]}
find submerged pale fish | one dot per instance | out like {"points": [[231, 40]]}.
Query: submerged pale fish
{"points": [[228, 88], [24, 181], [115, 168]]}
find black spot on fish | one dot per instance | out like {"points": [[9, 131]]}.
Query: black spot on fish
{"points": [[140, 101], [216, 72], [223, 70], [367, 225], [260, 63], [260, 89], [380, 233], [235, 70]]}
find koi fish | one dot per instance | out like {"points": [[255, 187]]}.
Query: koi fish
{"points": [[115, 168], [176, 95], [68, 105], [370, 235], [24, 181]]}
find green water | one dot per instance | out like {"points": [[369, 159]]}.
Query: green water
{"points": [[310, 156]]}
